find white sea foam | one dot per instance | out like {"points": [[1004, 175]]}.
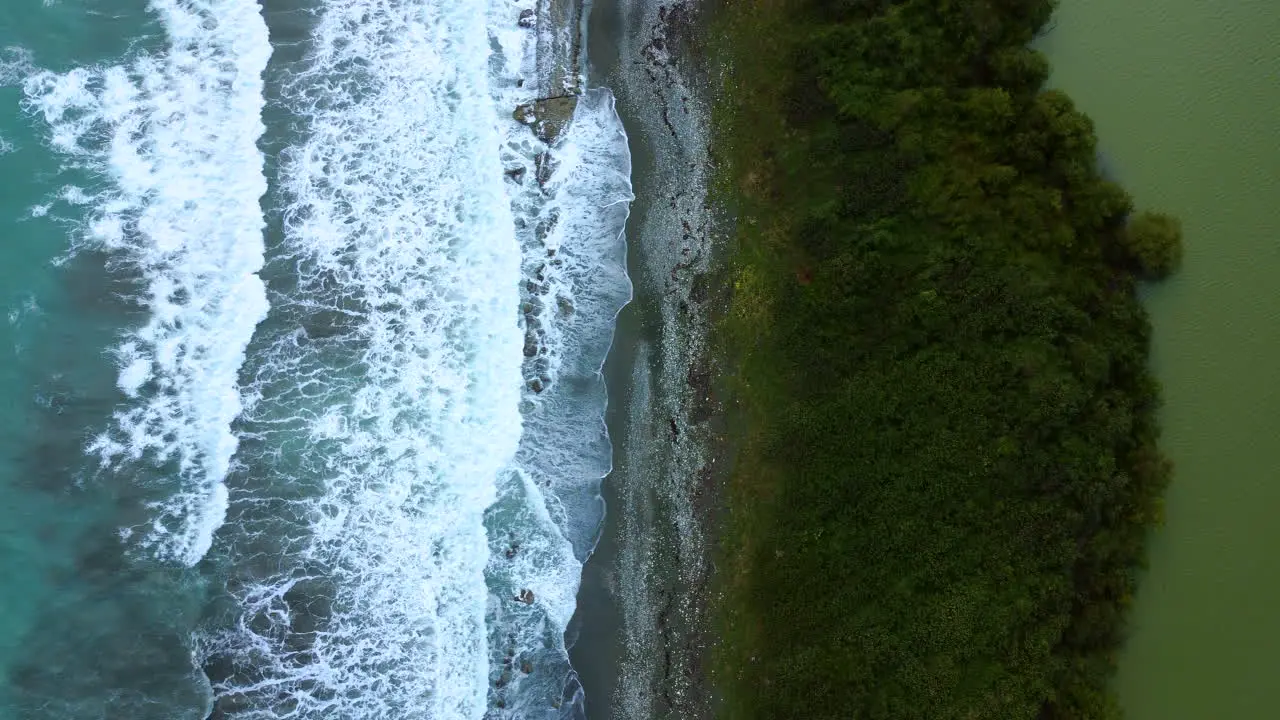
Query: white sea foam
{"points": [[412, 519], [571, 202], [169, 141], [576, 256], [400, 380], [15, 65], [547, 517]]}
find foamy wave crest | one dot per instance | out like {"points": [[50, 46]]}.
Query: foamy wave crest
{"points": [[389, 393], [169, 142], [545, 523], [15, 65]]}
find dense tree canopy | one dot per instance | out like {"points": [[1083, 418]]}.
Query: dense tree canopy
{"points": [[946, 458], [1154, 241]]}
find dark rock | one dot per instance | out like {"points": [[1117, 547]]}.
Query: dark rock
{"points": [[536, 386], [544, 168], [528, 19], [525, 596], [545, 226], [524, 114], [232, 704], [547, 116], [517, 174], [530, 345], [554, 115], [526, 667]]}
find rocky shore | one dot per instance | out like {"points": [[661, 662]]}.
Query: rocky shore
{"points": [[559, 62], [644, 620]]}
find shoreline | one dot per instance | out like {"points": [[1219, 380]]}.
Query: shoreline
{"points": [[640, 631], [1201, 622]]}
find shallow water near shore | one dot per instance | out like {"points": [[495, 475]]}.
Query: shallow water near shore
{"points": [[1185, 98]]}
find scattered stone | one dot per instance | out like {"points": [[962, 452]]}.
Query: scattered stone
{"points": [[517, 174], [536, 386], [528, 19], [544, 227], [530, 345], [565, 305], [698, 290], [544, 168], [526, 667], [525, 596], [511, 551]]}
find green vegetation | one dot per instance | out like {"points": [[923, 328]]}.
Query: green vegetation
{"points": [[947, 453], [1154, 241]]}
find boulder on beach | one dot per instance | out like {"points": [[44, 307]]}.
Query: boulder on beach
{"points": [[547, 116]]}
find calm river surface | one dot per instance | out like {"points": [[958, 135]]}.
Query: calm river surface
{"points": [[1186, 98]]}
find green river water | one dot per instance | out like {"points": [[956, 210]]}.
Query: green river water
{"points": [[1185, 95]]}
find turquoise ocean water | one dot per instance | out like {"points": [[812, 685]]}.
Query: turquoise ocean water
{"points": [[301, 401], [69, 611]]}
